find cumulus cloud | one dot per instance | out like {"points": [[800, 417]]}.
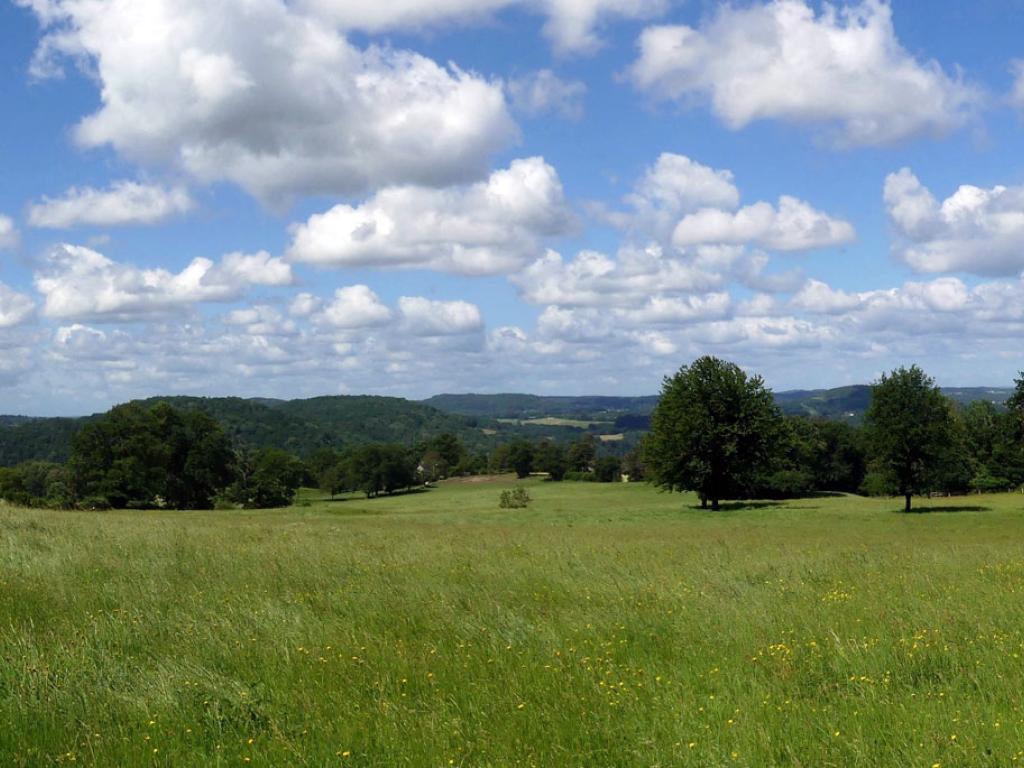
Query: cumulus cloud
{"points": [[844, 70], [974, 230], [125, 202], [490, 227], [685, 203], [425, 317], [15, 308], [793, 225], [571, 24], [77, 282], [258, 93], [543, 92], [673, 186], [355, 306], [8, 233], [598, 280]]}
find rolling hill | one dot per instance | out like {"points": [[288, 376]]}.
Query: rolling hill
{"points": [[479, 421]]}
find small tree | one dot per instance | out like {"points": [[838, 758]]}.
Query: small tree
{"points": [[712, 431], [911, 430], [550, 458], [520, 458], [607, 469]]}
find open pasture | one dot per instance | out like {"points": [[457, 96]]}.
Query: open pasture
{"points": [[605, 625]]}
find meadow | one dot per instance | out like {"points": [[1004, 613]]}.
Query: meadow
{"points": [[605, 625]]}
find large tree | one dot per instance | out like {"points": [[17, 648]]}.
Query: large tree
{"points": [[138, 456], [911, 432], [713, 430]]}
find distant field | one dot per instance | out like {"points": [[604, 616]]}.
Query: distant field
{"points": [[606, 625], [552, 421]]}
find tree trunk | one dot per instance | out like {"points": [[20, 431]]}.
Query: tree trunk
{"points": [[714, 505], [703, 502], [907, 507]]}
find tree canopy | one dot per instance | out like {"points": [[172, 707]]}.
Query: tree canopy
{"points": [[911, 432], [712, 431]]}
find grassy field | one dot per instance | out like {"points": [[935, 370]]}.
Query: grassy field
{"points": [[606, 625], [555, 421]]}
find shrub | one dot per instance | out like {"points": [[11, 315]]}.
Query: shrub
{"points": [[516, 498], [580, 477]]}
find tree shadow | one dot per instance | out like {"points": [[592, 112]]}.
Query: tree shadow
{"points": [[939, 510], [734, 506], [363, 498]]}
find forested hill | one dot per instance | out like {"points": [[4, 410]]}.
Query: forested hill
{"points": [[298, 426], [479, 421], [525, 407], [842, 403]]}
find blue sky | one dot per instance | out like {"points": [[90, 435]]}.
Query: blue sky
{"points": [[270, 198]]}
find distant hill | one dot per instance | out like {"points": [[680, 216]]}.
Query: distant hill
{"points": [[841, 403], [479, 421], [525, 407], [298, 426]]}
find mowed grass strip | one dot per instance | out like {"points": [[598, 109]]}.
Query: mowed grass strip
{"points": [[605, 625]]}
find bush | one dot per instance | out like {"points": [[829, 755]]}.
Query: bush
{"points": [[580, 477], [516, 498]]}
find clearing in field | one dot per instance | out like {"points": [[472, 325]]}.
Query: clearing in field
{"points": [[554, 421], [604, 625]]}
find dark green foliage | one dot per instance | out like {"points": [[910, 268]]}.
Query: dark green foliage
{"points": [[140, 457], [266, 479], [520, 458], [607, 470], [992, 441], [376, 469], [911, 432], [35, 483], [581, 454], [448, 447], [633, 465], [814, 455], [713, 431], [551, 458]]}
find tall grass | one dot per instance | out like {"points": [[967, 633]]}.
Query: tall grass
{"points": [[605, 625]]}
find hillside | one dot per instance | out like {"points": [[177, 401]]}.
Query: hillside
{"points": [[518, 406], [479, 421], [298, 426]]}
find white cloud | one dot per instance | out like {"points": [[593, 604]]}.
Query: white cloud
{"points": [[78, 282], [355, 306], [597, 280], [543, 92], [261, 320], [8, 233], [125, 202], [425, 317], [258, 93], [571, 25], [490, 227], [15, 308], [974, 230], [673, 186], [819, 298], [793, 225], [842, 69]]}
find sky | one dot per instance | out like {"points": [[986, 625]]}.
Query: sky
{"points": [[290, 199]]}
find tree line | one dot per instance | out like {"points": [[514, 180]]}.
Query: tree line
{"points": [[717, 431]]}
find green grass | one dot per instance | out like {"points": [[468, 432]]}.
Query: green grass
{"points": [[605, 625]]}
